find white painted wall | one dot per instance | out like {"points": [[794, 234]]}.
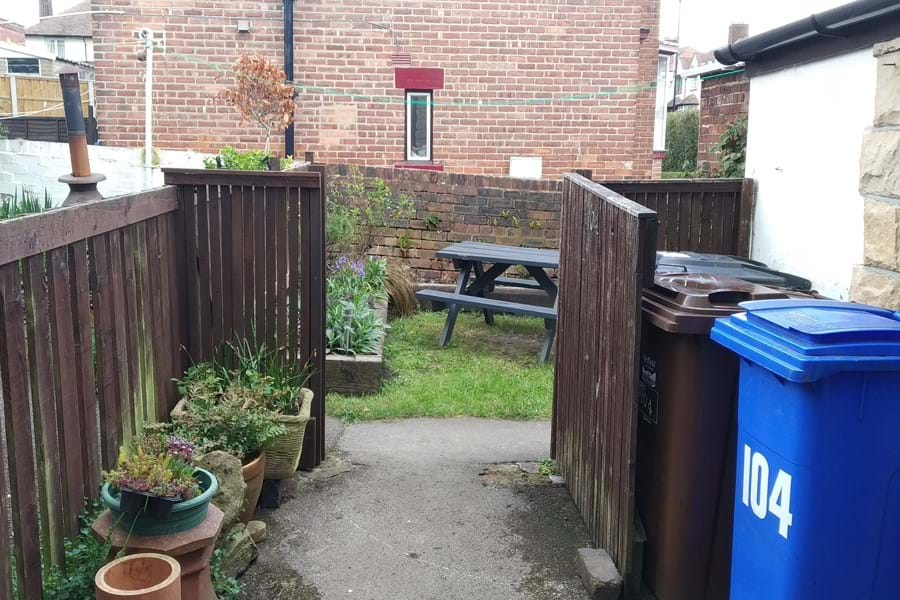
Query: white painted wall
{"points": [[805, 132], [76, 48], [38, 165]]}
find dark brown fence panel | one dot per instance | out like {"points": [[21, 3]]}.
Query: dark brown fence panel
{"points": [[254, 244], [699, 215], [85, 359], [607, 253]]}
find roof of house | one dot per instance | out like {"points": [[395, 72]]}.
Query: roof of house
{"points": [[74, 22], [11, 32], [853, 26]]}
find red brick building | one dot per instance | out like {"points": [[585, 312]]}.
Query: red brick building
{"points": [[568, 81], [724, 99]]}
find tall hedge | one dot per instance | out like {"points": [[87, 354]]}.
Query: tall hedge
{"points": [[682, 129]]}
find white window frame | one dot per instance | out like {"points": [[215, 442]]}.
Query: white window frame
{"points": [[54, 45], [429, 99]]}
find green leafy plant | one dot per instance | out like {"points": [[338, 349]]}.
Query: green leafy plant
{"points": [[534, 225], [25, 203], [271, 374], [225, 587], [732, 149], [372, 204], [246, 160], [340, 227], [505, 214], [83, 557], [682, 131], [547, 467], [156, 465], [4, 132], [365, 328], [361, 277], [403, 242], [516, 222], [432, 222]]}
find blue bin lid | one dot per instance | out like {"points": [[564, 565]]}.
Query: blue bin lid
{"points": [[806, 340]]}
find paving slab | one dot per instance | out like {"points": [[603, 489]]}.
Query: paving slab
{"points": [[414, 519]]}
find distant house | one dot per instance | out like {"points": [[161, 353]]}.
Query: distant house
{"points": [[11, 32], [828, 194], [16, 59], [683, 80], [66, 35]]}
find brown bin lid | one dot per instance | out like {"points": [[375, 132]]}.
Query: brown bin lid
{"points": [[690, 302]]}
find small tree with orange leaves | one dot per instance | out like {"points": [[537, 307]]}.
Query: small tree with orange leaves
{"points": [[261, 94]]}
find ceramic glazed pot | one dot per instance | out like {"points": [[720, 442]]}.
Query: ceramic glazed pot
{"points": [[139, 577], [253, 473], [182, 516]]}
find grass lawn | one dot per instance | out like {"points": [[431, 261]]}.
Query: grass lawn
{"points": [[486, 371]]}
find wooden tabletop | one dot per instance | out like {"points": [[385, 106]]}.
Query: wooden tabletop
{"points": [[496, 253]]}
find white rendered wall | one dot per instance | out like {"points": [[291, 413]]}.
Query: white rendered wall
{"points": [[805, 132], [38, 165]]}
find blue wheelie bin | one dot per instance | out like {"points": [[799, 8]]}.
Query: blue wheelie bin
{"points": [[817, 499]]}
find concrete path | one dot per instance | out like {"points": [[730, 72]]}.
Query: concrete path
{"points": [[413, 520]]}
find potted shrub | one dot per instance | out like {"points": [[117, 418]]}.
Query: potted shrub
{"points": [[218, 412], [155, 489], [278, 385]]}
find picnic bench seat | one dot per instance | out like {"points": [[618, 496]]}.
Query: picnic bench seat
{"points": [[528, 284], [491, 305]]}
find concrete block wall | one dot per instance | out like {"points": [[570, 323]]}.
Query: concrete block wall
{"points": [[501, 210], [877, 280], [38, 165]]}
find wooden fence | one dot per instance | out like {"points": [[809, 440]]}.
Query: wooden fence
{"points": [[700, 215], [21, 94], [607, 255], [258, 243], [47, 129], [96, 303]]}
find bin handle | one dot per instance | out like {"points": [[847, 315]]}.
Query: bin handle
{"points": [[729, 297]]}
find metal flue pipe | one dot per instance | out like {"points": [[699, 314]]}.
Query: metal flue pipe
{"points": [[82, 183]]}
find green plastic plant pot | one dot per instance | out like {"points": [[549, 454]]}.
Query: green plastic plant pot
{"points": [[184, 516]]}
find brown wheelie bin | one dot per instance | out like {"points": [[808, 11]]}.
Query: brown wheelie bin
{"points": [[686, 433]]}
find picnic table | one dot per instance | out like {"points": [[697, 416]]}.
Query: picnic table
{"points": [[475, 279]]}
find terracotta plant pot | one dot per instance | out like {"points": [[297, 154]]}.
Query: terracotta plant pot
{"points": [[139, 577], [253, 473]]}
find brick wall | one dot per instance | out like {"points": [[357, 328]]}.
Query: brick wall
{"points": [[528, 62], [502, 210], [723, 101]]}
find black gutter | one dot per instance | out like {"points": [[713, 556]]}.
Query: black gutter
{"points": [[839, 22], [289, 68]]}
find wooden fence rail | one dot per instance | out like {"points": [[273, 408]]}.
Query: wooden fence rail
{"points": [[608, 245], [97, 302], [699, 215]]}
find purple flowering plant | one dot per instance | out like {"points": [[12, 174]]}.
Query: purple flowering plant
{"points": [[156, 465]]}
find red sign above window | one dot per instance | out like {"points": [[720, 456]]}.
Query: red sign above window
{"points": [[419, 79]]}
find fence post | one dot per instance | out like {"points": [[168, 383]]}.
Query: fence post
{"points": [[745, 219], [14, 96]]}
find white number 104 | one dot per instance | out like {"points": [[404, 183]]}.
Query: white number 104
{"points": [[756, 491]]}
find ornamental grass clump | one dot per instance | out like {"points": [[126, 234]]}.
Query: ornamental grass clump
{"points": [[156, 465]]}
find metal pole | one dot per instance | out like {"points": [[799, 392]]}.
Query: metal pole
{"points": [[289, 68], [677, 60], [147, 34]]}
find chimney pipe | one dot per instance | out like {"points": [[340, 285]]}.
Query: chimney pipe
{"points": [[738, 31], [45, 8], [82, 184]]}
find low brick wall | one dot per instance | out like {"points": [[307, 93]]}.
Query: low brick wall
{"points": [[501, 210]]}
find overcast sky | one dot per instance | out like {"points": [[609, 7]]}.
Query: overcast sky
{"points": [[704, 23]]}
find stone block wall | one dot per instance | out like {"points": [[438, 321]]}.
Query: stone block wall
{"points": [[723, 100], [877, 280], [455, 207]]}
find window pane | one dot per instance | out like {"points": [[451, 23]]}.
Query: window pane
{"points": [[418, 126], [23, 66]]}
